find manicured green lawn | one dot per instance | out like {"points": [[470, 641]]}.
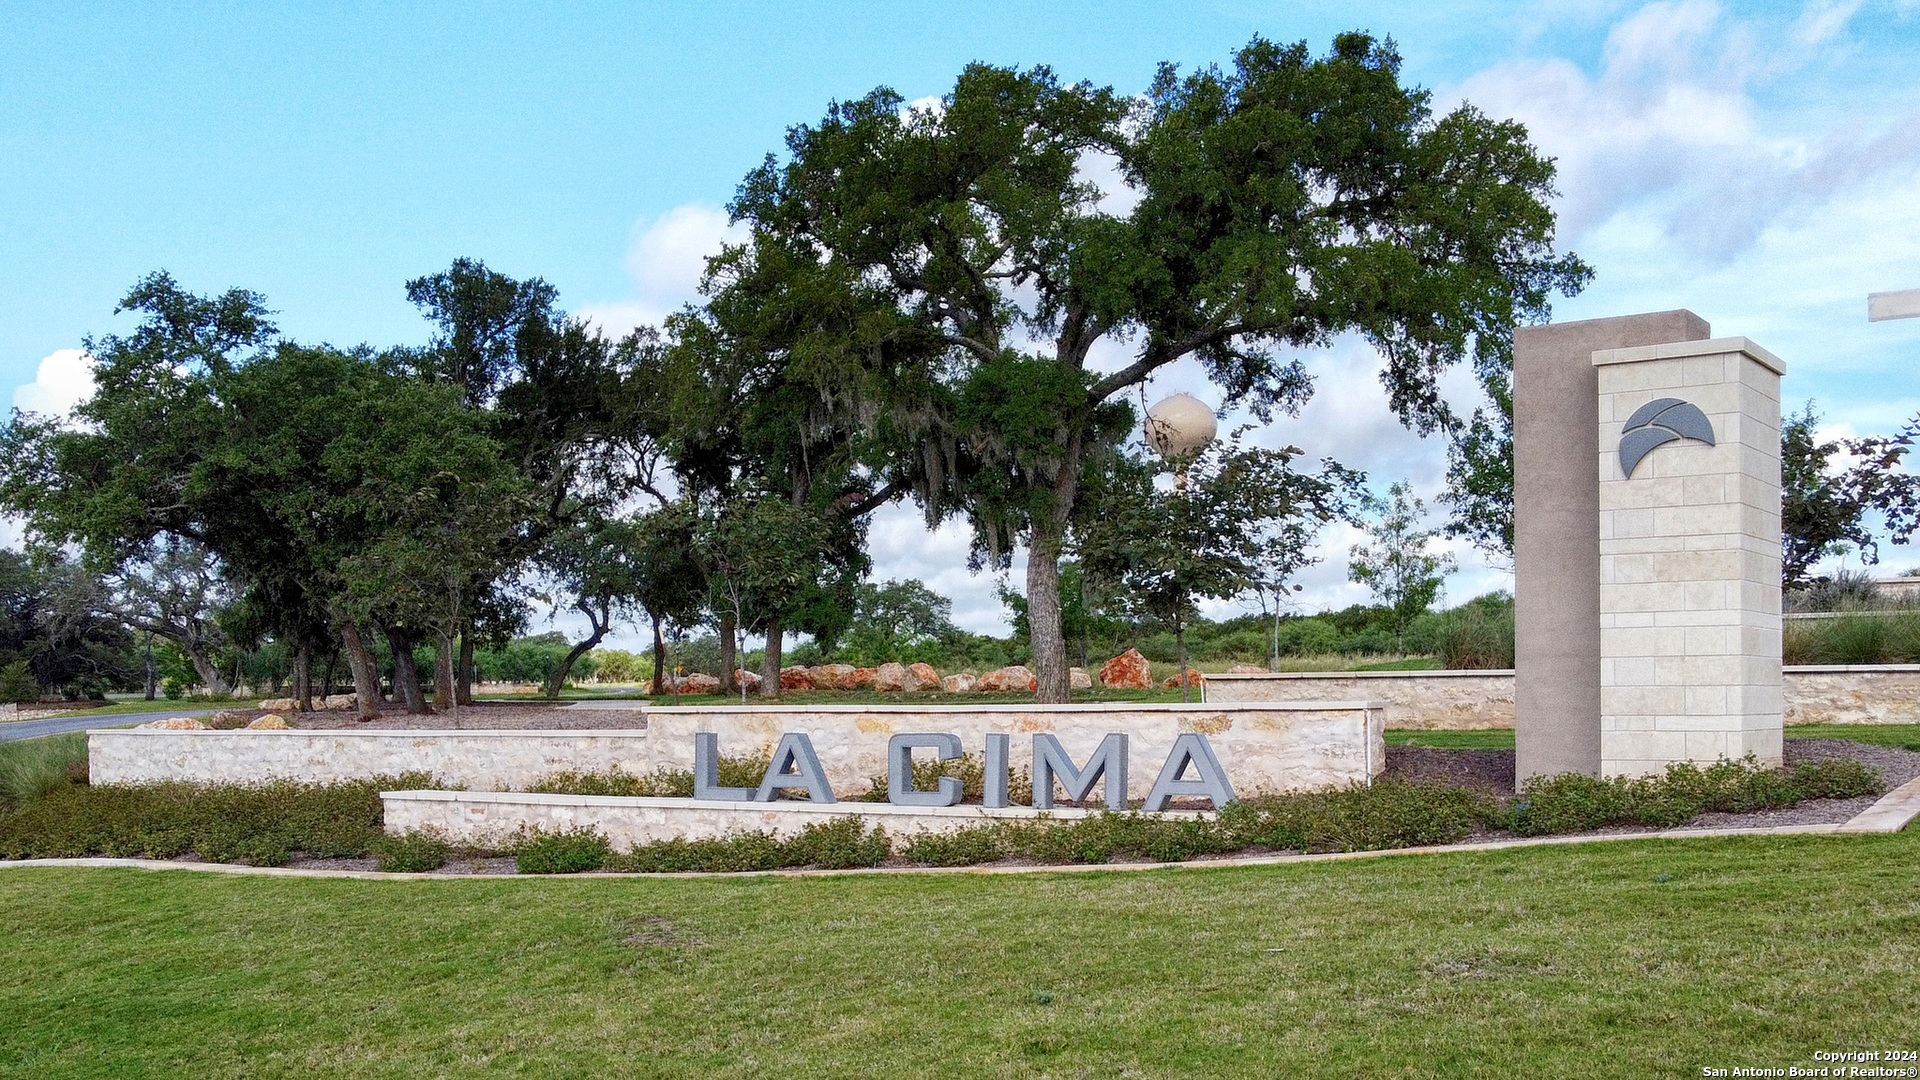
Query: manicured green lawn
{"points": [[1645, 958]]}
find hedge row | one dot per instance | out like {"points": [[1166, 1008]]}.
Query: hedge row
{"points": [[266, 824]]}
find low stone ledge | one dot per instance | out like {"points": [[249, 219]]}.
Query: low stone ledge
{"points": [[476, 759], [1483, 699], [491, 819]]}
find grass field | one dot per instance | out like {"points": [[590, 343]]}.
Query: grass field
{"points": [[1643, 958]]}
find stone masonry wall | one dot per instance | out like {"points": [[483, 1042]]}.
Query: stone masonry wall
{"points": [[1262, 746], [1472, 700]]}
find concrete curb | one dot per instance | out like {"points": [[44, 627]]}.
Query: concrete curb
{"points": [[1891, 814], [1195, 864]]}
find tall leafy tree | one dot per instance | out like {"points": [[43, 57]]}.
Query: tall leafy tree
{"points": [[1829, 490], [1278, 203], [1241, 517]]}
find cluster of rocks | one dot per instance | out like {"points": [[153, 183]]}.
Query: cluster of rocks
{"points": [[219, 721], [1129, 670], [333, 703]]}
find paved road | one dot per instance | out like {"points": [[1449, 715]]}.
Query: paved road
{"points": [[33, 729]]}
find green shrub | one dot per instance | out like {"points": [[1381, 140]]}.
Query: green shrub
{"points": [[663, 782], [573, 851], [840, 844], [964, 847], [17, 684], [411, 853], [1572, 802], [1390, 813], [261, 823], [969, 769], [731, 854]]}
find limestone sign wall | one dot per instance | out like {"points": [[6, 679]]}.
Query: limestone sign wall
{"points": [[1262, 747]]}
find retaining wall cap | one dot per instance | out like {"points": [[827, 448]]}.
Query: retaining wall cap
{"points": [[391, 733], [1087, 708], [1433, 673], [845, 808]]}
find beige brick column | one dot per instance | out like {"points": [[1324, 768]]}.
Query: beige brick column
{"points": [[1689, 554]]}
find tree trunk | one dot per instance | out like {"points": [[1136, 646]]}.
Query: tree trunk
{"points": [[303, 676], [406, 678], [152, 685], [204, 667], [326, 680], [463, 682], [1052, 678], [1180, 655], [659, 660], [444, 695], [728, 660], [601, 623], [366, 675], [1054, 683], [770, 663]]}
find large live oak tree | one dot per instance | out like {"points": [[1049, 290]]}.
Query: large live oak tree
{"points": [[971, 268]]}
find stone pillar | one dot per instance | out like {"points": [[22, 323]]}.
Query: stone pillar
{"points": [[1689, 554], [1556, 526]]}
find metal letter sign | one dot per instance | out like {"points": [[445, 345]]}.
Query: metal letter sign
{"points": [[1050, 759], [795, 749], [1209, 780], [1660, 421], [706, 772], [900, 770]]}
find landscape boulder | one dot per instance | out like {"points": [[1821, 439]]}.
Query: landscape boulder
{"points": [[1128, 671], [859, 679], [957, 684], [1079, 678], [1014, 678], [338, 702], [892, 676], [1194, 678], [1247, 669], [748, 679], [173, 723], [795, 678], [269, 722], [281, 704], [227, 720], [700, 683], [828, 676]]}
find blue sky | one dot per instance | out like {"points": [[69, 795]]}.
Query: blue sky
{"points": [[1758, 163]]}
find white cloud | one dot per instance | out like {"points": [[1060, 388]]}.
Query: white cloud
{"points": [[665, 259], [65, 379]]}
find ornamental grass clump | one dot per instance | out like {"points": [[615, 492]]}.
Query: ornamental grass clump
{"points": [[33, 768]]}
